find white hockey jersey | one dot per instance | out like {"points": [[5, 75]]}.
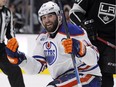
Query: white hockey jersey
{"points": [[50, 51]]}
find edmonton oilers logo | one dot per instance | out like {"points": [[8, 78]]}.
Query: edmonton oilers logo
{"points": [[50, 52]]}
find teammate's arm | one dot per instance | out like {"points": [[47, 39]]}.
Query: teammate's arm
{"points": [[29, 64], [77, 14]]}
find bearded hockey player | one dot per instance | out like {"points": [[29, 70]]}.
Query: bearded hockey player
{"points": [[53, 51]]}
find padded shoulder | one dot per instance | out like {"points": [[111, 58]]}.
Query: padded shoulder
{"points": [[74, 30], [43, 31]]}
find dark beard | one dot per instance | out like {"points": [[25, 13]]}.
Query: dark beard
{"points": [[52, 35], [55, 24]]}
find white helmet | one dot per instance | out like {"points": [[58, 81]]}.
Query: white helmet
{"points": [[47, 8], [50, 7]]}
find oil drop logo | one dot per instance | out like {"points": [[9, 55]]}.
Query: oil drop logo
{"points": [[50, 52]]}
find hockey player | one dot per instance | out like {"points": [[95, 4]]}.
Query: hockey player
{"points": [[103, 14], [13, 73], [53, 51]]}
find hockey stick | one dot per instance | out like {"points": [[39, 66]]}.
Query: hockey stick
{"points": [[106, 42], [68, 36]]}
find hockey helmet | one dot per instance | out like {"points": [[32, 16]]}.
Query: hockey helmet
{"points": [[49, 7]]}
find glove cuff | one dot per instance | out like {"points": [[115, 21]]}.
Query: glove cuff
{"points": [[21, 57], [82, 50]]}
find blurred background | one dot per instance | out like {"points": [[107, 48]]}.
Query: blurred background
{"points": [[25, 14]]}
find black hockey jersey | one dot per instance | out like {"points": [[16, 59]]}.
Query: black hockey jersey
{"points": [[103, 12]]}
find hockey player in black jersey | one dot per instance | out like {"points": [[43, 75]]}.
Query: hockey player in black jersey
{"points": [[103, 14], [6, 29]]}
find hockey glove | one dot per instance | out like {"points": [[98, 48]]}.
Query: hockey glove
{"points": [[74, 46], [14, 56], [91, 31]]}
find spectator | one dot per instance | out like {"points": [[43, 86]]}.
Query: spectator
{"points": [[18, 19]]}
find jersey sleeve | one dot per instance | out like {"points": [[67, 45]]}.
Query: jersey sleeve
{"points": [[84, 4], [31, 66], [79, 10], [92, 55], [38, 52], [36, 63]]}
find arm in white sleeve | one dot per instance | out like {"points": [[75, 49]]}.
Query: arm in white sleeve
{"points": [[91, 56], [31, 65]]}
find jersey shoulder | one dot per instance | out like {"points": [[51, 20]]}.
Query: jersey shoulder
{"points": [[43, 31], [42, 34], [73, 30]]}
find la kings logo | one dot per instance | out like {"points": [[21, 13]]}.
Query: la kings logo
{"points": [[107, 12]]}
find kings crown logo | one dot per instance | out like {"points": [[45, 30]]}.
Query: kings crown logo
{"points": [[107, 12]]}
